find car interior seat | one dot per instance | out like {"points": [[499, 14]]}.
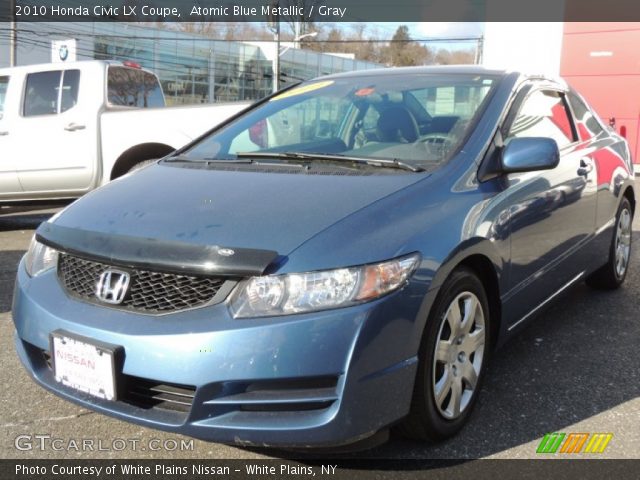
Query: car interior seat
{"points": [[397, 124]]}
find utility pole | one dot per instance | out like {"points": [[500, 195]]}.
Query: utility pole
{"points": [[276, 61], [13, 37], [274, 23], [297, 31]]}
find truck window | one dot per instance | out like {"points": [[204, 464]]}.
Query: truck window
{"points": [[129, 87], [4, 83], [41, 94], [70, 87]]}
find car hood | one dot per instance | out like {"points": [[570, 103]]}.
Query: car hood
{"points": [[253, 209]]}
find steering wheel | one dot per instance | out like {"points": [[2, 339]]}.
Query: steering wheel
{"points": [[439, 139]]}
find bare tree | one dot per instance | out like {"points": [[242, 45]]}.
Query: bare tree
{"points": [[454, 57], [404, 51]]}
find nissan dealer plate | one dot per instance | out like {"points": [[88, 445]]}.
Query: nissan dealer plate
{"points": [[83, 365]]}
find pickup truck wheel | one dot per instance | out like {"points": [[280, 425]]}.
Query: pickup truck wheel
{"points": [[611, 275], [452, 360], [141, 164]]}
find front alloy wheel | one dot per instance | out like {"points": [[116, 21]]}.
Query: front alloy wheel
{"points": [[451, 360], [458, 356]]}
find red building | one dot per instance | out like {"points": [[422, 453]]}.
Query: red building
{"points": [[602, 61]]}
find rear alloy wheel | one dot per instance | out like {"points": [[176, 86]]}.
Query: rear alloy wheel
{"points": [[452, 359], [613, 273]]}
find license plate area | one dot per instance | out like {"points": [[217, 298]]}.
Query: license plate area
{"points": [[85, 364]]}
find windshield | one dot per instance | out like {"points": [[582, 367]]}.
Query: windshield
{"points": [[414, 118]]}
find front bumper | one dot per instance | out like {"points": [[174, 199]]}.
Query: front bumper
{"points": [[320, 379]]}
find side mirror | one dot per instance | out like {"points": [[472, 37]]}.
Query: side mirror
{"points": [[530, 154]]}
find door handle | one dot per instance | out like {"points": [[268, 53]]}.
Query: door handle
{"points": [[72, 127], [586, 167], [4, 134]]}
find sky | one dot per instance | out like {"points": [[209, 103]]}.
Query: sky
{"points": [[444, 29], [430, 30]]}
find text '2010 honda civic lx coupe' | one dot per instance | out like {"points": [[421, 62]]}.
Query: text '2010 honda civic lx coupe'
{"points": [[340, 258]]}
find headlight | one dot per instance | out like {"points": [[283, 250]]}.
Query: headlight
{"points": [[305, 292], [39, 258]]}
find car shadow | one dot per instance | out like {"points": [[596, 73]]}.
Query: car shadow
{"points": [[9, 260], [29, 221], [569, 364], [574, 361], [565, 367]]}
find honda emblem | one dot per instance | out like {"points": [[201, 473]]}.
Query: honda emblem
{"points": [[112, 286]]}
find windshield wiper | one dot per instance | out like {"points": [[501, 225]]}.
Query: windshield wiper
{"points": [[376, 162], [179, 158]]}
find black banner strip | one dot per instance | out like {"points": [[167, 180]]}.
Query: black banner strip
{"points": [[333, 469], [320, 10]]}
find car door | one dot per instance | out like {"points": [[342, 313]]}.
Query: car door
{"points": [[9, 184], [610, 160], [57, 153], [553, 212]]}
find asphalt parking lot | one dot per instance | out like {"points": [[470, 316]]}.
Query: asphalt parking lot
{"points": [[575, 369]]}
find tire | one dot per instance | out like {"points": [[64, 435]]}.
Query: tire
{"points": [[435, 420], [141, 164], [611, 275]]}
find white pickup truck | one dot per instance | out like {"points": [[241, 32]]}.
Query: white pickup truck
{"points": [[68, 128]]}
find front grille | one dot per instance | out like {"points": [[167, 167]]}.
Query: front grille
{"points": [[149, 292]]}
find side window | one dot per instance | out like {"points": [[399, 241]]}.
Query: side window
{"points": [[133, 88], [70, 87], [41, 94], [370, 119], [586, 123], [544, 114], [366, 128], [4, 84]]}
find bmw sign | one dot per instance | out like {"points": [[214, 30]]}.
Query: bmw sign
{"points": [[63, 50]]}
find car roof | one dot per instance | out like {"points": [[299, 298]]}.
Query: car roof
{"points": [[431, 69], [450, 70]]}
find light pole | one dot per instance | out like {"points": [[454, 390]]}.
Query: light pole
{"points": [[13, 41], [296, 42], [276, 60]]}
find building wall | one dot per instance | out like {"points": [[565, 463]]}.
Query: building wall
{"points": [[602, 61], [191, 68], [531, 47]]}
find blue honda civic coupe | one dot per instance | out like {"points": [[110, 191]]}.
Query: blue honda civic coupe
{"points": [[338, 259]]}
